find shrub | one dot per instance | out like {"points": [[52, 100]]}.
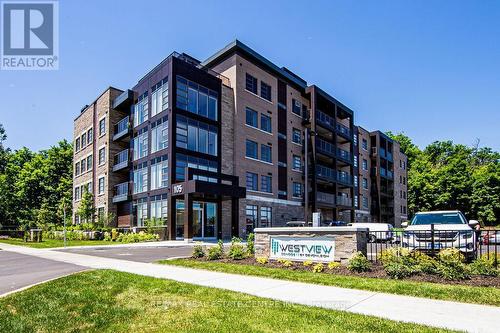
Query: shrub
{"points": [[114, 234], [251, 243], [287, 263], [398, 270], [214, 253], [450, 265], [359, 263], [107, 236], [395, 255], [333, 265], [483, 266], [307, 263], [425, 263], [262, 260], [451, 256], [318, 268], [198, 251], [237, 251]]}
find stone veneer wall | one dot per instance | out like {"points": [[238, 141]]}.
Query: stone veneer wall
{"points": [[348, 240]]}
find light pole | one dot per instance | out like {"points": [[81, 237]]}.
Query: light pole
{"points": [[306, 174], [64, 222]]}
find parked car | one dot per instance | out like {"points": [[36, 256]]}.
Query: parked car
{"points": [[377, 231], [330, 223], [451, 229], [491, 237]]}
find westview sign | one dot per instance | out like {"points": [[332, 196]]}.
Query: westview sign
{"points": [[303, 248]]}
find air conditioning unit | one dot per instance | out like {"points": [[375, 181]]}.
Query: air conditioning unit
{"points": [[374, 150]]}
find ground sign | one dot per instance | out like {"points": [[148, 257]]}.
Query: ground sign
{"points": [[303, 248]]}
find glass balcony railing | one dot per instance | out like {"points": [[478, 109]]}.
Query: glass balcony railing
{"points": [[383, 172], [344, 201], [344, 131], [325, 173], [121, 160], [120, 192], [388, 156], [325, 147], [344, 155], [381, 152], [121, 128], [325, 198], [325, 120], [344, 178]]}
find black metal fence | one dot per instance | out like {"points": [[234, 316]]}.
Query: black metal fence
{"points": [[471, 243]]}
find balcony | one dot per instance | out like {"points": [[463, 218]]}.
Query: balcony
{"points": [[386, 173], [388, 156], [325, 147], [122, 128], [325, 198], [325, 173], [344, 201], [344, 155], [120, 192], [121, 160], [325, 120], [381, 152], [344, 131], [344, 178]]}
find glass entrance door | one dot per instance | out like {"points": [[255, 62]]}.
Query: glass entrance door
{"points": [[204, 220]]}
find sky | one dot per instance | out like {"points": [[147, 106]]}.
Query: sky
{"points": [[429, 69]]}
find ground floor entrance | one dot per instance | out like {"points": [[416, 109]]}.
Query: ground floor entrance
{"points": [[204, 220]]}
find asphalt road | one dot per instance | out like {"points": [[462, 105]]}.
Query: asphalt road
{"points": [[140, 254], [19, 270]]}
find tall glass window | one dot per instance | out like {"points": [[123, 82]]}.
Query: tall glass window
{"points": [[266, 153], [266, 216], [251, 149], [183, 161], [141, 207], [265, 123], [141, 110], [159, 136], [158, 207], [140, 178], [159, 173], [251, 117], [252, 181], [159, 97], [251, 217], [140, 145], [196, 98], [196, 136], [297, 136], [266, 184], [297, 190]]}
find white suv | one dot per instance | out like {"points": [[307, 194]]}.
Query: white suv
{"points": [[432, 231]]}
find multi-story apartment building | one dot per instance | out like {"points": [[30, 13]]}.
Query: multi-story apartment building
{"points": [[219, 147], [382, 175]]}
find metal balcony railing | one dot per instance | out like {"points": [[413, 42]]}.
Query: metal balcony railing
{"points": [[121, 128], [325, 173], [325, 147], [121, 192], [344, 155], [121, 160], [344, 201], [344, 178], [344, 130], [325, 120], [325, 198]]}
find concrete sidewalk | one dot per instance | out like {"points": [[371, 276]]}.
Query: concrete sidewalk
{"points": [[453, 315]]}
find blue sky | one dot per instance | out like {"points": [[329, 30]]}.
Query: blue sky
{"points": [[430, 69]]}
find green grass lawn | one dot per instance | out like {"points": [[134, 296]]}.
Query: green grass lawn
{"points": [[110, 301], [48, 243], [480, 295]]}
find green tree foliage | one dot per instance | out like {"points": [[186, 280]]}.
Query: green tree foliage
{"points": [[34, 184], [86, 210], [452, 176]]}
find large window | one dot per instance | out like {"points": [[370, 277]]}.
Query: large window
{"points": [[141, 208], [251, 83], [251, 117], [100, 187], [297, 163], [141, 178], [102, 126], [266, 184], [364, 144], [365, 183], [183, 161], [159, 135], [159, 205], [77, 144], [196, 98], [297, 136], [365, 202], [159, 173], [265, 123], [266, 153], [296, 107], [265, 91], [251, 217], [90, 136], [141, 109], [159, 97], [251, 149], [102, 155], [252, 181], [196, 136], [365, 165], [89, 162], [266, 216], [140, 145], [77, 168], [297, 190]]}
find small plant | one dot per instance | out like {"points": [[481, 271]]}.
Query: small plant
{"points": [[398, 270], [107, 236], [333, 265], [198, 251], [451, 255], [318, 268], [452, 271], [359, 263], [251, 243], [307, 263], [425, 264], [114, 234], [214, 253], [237, 250], [220, 245], [483, 266], [287, 263], [262, 260]]}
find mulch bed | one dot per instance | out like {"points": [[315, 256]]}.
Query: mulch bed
{"points": [[377, 271]]}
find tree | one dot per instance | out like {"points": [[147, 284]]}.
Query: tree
{"points": [[86, 210], [3, 151]]}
